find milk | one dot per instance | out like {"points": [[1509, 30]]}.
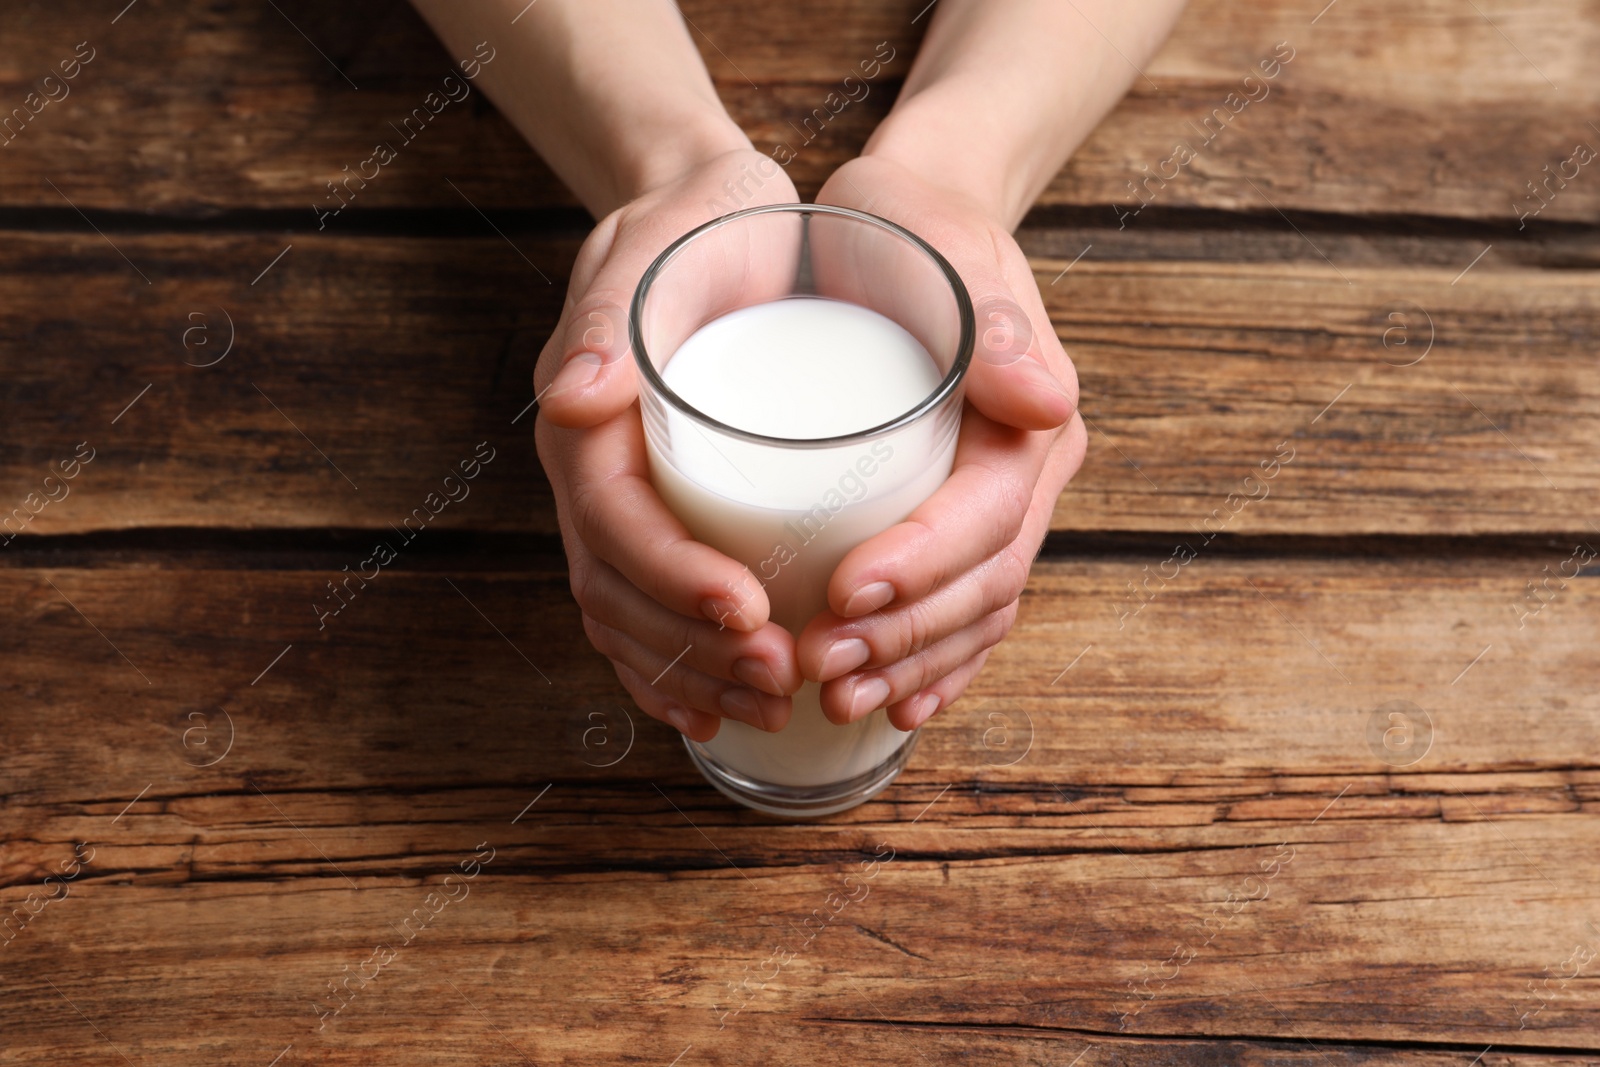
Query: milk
{"points": [[800, 368]]}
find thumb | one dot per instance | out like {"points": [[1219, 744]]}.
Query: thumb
{"points": [[589, 368], [586, 374], [1010, 379]]}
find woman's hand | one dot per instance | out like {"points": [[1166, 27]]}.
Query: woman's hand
{"points": [[998, 99], [916, 610], [614, 96], [675, 617]]}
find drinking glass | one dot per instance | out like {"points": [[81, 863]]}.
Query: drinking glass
{"points": [[790, 508]]}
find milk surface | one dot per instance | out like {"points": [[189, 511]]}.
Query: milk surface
{"points": [[800, 368], [805, 367]]}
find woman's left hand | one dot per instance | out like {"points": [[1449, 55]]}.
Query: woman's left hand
{"points": [[916, 610]]}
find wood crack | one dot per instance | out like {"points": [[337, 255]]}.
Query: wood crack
{"points": [[514, 552], [891, 943], [1284, 1040]]}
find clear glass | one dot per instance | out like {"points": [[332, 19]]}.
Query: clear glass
{"points": [[791, 508]]}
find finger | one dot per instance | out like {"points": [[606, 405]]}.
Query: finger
{"points": [[896, 278], [1019, 376], [1017, 368], [695, 725], [590, 374], [586, 373], [618, 514], [977, 511], [844, 700], [831, 646], [917, 709], [763, 660], [685, 685]]}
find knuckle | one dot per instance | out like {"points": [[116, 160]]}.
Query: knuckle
{"points": [[544, 436], [999, 624], [1078, 440], [928, 668], [919, 628], [917, 670], [922, 542], [598, 323], [629, 680], [601, 636], [583, 581], [689, 687], [1066, 372], [1013, 572], [922, 533], [648, 701], [1014, 496], [587, 507], [593, 253]]}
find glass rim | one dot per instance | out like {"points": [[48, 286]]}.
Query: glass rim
{"points": [[947, 385]]}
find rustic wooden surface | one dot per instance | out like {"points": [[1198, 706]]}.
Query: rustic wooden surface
{"points": [[1426, 111], [1239, 355], [1162, 827]]}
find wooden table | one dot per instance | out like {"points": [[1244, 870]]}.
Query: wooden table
{"points": [[1318, 787]]}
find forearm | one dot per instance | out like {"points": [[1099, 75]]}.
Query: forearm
{"points": [[1002, 94], [611, 93]]}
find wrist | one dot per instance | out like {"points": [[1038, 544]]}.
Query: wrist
{"points": [[931, 135], [662, 160]]}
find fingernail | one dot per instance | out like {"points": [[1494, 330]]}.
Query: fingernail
{"points": [[869, 696], [757, 675], [843, 656], [1040, 378], [679, 717], [868, 598], [579, 371], [741, 704], [923, 708]]}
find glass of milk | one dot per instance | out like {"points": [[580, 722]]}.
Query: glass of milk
{"points": [[801, 375]]}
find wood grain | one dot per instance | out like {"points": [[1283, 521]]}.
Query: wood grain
{"points": [[365, 369], [1241, 675], [1386, 384], [1026, 959], [1304, 774], [1158, 774], [1427, 116]]}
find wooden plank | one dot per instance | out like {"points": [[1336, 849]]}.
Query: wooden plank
{"points": [[1329, 808], [1083, 811], [1239, 675], [1237, 367], [630, 828], [1357, 123], [355, 383], [1450, 112], [1027, 960], [386, 361]]}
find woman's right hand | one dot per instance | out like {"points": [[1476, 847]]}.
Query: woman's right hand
{"points": [[686, 627]]}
